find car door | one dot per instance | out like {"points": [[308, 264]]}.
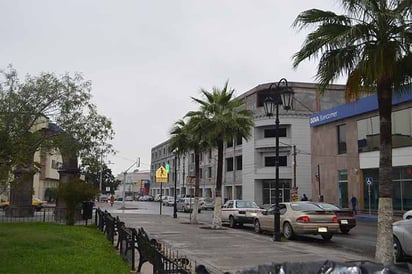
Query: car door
{"points": [[266, 220], [227, 207], [407, 245]]}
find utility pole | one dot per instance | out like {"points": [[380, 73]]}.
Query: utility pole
{"points": [[124, 181]]}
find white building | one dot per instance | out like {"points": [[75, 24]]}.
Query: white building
{"points": [[249, 165]]}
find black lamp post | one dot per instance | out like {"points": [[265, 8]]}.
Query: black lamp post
{"points": [[281, 94], [175, 195]]}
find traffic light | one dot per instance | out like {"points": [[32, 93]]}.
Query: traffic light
{"points": [[167, 167]]}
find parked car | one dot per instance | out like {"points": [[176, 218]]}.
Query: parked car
{"points": [[298, 218], [207, 203], [170, 201], [103, 198], [146, 198], [347, 219], [239, 212], [402, 239], [166, 200], [407, 215], [37, 204], [186, 205]]}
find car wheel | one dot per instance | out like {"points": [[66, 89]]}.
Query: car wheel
{"points": [[232, 222], [397, 249], [344, 230], [288, 231], [327, 236], [257, 227]]}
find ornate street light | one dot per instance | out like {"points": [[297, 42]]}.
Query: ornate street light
{"points": [[175, 195], [282, 95]]}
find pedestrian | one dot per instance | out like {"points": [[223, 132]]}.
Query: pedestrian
{"points": [[111, 200], [304, 197], [354, 202]]}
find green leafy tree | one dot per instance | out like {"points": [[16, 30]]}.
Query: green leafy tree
{"points": [[93, 169], [221, 118], [371, 44], [48, 112], [74, 193]]}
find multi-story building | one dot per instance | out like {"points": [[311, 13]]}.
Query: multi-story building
{"points": [[133, 183], [48, 176], [345, 152], [249, 165]]}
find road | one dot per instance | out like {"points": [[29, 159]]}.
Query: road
{"points": [[361, 239]]}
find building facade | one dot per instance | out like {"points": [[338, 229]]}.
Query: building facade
{"points": [[249, 165], [345, 151], [134, 184]]}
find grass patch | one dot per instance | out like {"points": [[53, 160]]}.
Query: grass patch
{"points": [[56, 248]]}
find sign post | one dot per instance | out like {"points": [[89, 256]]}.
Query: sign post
{"points": [[369, 181], [161, 177]]}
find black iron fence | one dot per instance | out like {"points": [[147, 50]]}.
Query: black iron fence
{"points": [[44, 215], [136, 247]]}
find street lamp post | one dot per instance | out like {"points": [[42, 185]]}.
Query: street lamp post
{"points": [[175, 195], [282, 94]]}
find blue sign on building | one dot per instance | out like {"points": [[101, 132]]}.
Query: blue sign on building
{"points": [[363, 105]]}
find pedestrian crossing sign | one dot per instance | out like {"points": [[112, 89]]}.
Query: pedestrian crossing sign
{"points": [[161, 175]]}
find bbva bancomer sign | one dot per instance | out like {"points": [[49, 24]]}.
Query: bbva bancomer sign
{"points": [[363, 105]]}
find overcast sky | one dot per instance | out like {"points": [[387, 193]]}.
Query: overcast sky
{"points": [[146, 59]]}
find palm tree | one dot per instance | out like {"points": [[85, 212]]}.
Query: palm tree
{"points": [[222, 118], [371, 44], [186, 137]]}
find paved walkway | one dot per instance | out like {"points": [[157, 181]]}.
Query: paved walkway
{"points": [[228, 249]]}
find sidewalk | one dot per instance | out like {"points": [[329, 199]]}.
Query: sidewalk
{"points": [[229, 249]]}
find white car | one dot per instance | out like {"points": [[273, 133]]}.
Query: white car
{"points": [[186, 205], [402, 239], [407, 215], [239, 212]]}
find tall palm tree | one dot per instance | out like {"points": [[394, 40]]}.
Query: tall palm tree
{"points": [[186, 137], [221, 118], [371, 44]]}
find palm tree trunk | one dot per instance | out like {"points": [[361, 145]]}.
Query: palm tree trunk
{"points": [[195, 219], [217, 217], [384, 246]]}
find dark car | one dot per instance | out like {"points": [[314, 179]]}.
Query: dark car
{"points": [[347, 219]]}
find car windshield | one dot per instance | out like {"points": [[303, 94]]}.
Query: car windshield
{"points": [[328, 206], [304, 207], [246, 204]]}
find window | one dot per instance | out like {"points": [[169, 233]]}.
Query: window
{"points": [[239, 162], [271, 132], [209, 172], [369, 131], [56, 164], [270, 161], [210, 154], [200, 173], [229, 143], [192, 158], [341, 139], [229, 164]]}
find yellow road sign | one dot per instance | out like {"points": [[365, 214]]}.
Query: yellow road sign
{"points": [[161, 175]]}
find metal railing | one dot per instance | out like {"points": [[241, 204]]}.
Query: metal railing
{"points": [[135, 246], [43, 215]]}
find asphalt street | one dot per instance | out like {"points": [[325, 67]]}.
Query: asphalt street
{"points": [[228, 249]]}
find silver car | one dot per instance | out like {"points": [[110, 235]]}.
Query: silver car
{"points": [[298, 218], [402, 239]]}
